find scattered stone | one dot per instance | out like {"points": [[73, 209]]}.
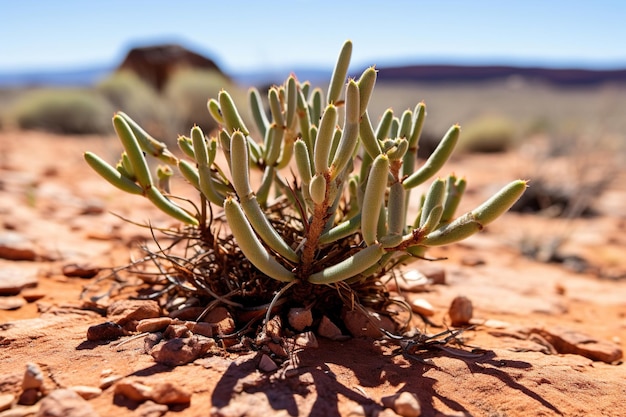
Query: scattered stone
{"points": [[570, 341], [86, 391], [329, 330], [461, 311], [16, 247], [202, 328], [153, 325], [472, 260], [105, 332], [151, 341], [151, 409], [31, 295], [109, 380], [33, 377], [80, 271], [435, 273], [300, 318], [29, 396], [221, 317], [12, 302], [422, 307], [177, 352], [274, 328], [410, 281], [161, 392], [266, 364], [306, 340], [6, 401], [277, 349], [21, 411], [361, 326], [176, 330], [13, 280], [128, 313], [187, 313], [65, 403], [404, 404]]}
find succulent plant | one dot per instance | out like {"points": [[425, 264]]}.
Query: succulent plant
{"points": [[344, 218]]}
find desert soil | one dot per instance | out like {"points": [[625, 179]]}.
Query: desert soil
{"points": [[551, 335]]}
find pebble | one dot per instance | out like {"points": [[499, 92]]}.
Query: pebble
{"points": [[410, 281], [306, 340], [29, 396], [33, 377], [202, 328], [179, 351], [21, 411], [405, 404], [127, 312], [13, 281], [65, 403], [80, 271], [6, 401], [153, 325], [300, 318], [435, 273], [109, 380], [105, 332], [176, 330], [329, 330], [221, 317], [422, 307], [266, 364], [570, 341], [461, 311], [11, 302], [161, 392], [86, 391], [151, 409], [16, 247], [360, 326]]}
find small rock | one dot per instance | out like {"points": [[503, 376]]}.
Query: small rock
{"points": [[404, 404], [187, 313], [177, 352], [360, 326], [31, 295], [277, 349], [202, 328], [177, 330], [422, 307], [300, 318], [266, 364], [274, 328], [221, 317], [29, 396], [13, 280], [80, 271], [328, 329], [410, 281], [12, 303], [33, 377], [161, 392], [153, 325], [6, 401], [570, 341], [306, 340], [109, 380], [150, 341], [105, 332], [151, 409], [16, 247], [86, 392], [435, 273], [472, 260], [65, 403], [461, 311], [127, 313]]}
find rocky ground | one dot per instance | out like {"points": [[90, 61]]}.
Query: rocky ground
{"points": [[548, 341]]}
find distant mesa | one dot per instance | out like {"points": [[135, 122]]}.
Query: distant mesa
{"points": [[156, 64], [454, 73]]}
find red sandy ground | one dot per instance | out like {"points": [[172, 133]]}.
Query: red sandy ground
{"points": [[46, 187]]}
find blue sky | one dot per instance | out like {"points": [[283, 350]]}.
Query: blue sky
{"points": [[243, 35]]}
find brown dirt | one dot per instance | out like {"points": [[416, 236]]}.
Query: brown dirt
{"points": [[51, 199]]}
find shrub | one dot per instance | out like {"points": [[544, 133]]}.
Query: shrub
{"points": [[126, 91], [187, 92], [64, 111], [488, 134]]}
